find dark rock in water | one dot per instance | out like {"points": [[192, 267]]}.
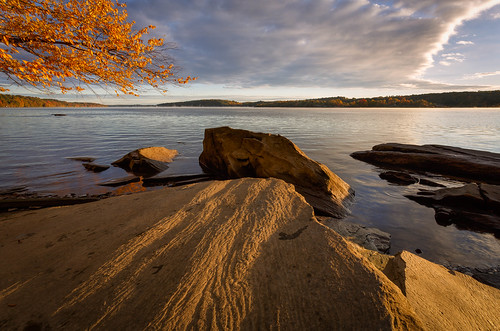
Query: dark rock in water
{"points": [[146, 161], [176, 180], [473, 206], [231, 153], [369, 238], [82, 158], [400, 178], [468, 164], [95, 167]]}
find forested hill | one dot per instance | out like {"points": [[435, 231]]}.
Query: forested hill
{"points": [[8, 100], [203, 103], [449, 99]]}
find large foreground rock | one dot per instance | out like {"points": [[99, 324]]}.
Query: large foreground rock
{"points": [[232, 153], [450, 161], [241, 254], [146, 161]]}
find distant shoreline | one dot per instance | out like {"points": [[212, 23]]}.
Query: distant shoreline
{"points": [[479, 99]]}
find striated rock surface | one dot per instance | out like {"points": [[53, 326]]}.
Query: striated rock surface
{"points": [[450, 161], [232, 153], [445, 299], [239, 254], [146, 161]]}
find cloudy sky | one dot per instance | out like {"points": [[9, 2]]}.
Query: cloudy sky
{"points": [[289, 49]]}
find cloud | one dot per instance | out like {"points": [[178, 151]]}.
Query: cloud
{"points": [[449, 58], [335, 43], [465, 42], [482, 75]]}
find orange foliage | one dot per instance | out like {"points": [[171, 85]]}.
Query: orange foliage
{"points": [[90, 41]]}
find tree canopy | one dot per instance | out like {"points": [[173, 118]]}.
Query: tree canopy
{"points": [[68, 44]]}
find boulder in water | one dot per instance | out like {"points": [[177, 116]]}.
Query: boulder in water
{"points": [[232, 153], [146, 161]]}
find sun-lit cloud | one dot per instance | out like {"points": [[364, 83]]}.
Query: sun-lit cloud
{"points": [[482, 75], [464, 42]]}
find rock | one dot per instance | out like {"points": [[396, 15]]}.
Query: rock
{"points": [[203, 256], [121, 181], [146, 161], [427, 182], [473, 206], [176, 180], [231, 153], [95, 167], [81, 158], [369, 238], [449, 161], [444, 299], [237, 255], [400, 178], [41, 202]]}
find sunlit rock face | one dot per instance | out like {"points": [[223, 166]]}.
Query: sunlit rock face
{"points": [[146, 161], [232, 153]]}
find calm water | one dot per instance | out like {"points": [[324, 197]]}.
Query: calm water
{"points": [[34, 145]]}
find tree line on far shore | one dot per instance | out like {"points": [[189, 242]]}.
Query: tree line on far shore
{"points": [[448, 99], [15, 101]]}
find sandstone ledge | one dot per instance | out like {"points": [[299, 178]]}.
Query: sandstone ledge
{"points": [[239, 254]]}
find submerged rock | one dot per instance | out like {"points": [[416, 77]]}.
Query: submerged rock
{"points": [[444, 160], [95, 167], [369, 238], [146, 161], [232, 153], [400, 178], [82, 158]]}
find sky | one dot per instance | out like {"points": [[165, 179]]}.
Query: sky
{"points": [[248, 50]]}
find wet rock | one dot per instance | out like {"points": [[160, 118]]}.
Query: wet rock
{"points": [[121, 181], [231, 153], [82, 158], [427, 182], [449, 161], [400, 178], [95, 167], [473, 206], [369, 238], [489, 275], [146, 161]]}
